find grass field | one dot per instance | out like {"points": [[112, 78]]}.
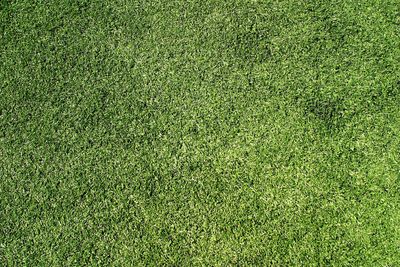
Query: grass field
{"points": [[200, 133]]}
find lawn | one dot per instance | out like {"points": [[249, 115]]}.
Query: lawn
{"points": [[200, 133]]}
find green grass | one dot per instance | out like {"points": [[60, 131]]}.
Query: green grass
{"points": [[193, 133]]}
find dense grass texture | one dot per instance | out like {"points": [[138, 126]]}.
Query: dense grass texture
{"points": [[200, 133]]}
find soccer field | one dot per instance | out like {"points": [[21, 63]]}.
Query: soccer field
{"points": [[200, 133]]}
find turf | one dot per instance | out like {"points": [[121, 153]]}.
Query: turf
{"points": [[196, 133]]}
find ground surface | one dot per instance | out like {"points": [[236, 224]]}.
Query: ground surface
{"points": [[200, 133]]}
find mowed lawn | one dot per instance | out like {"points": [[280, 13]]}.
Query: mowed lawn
{"points": [[200, 133]]}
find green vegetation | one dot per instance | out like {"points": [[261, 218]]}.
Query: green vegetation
{"points": [[193, 133]]}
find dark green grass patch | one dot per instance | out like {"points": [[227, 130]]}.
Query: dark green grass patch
{"points": [[199, 133]]}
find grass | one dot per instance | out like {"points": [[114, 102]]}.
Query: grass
{"points": [[192, 133]]}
